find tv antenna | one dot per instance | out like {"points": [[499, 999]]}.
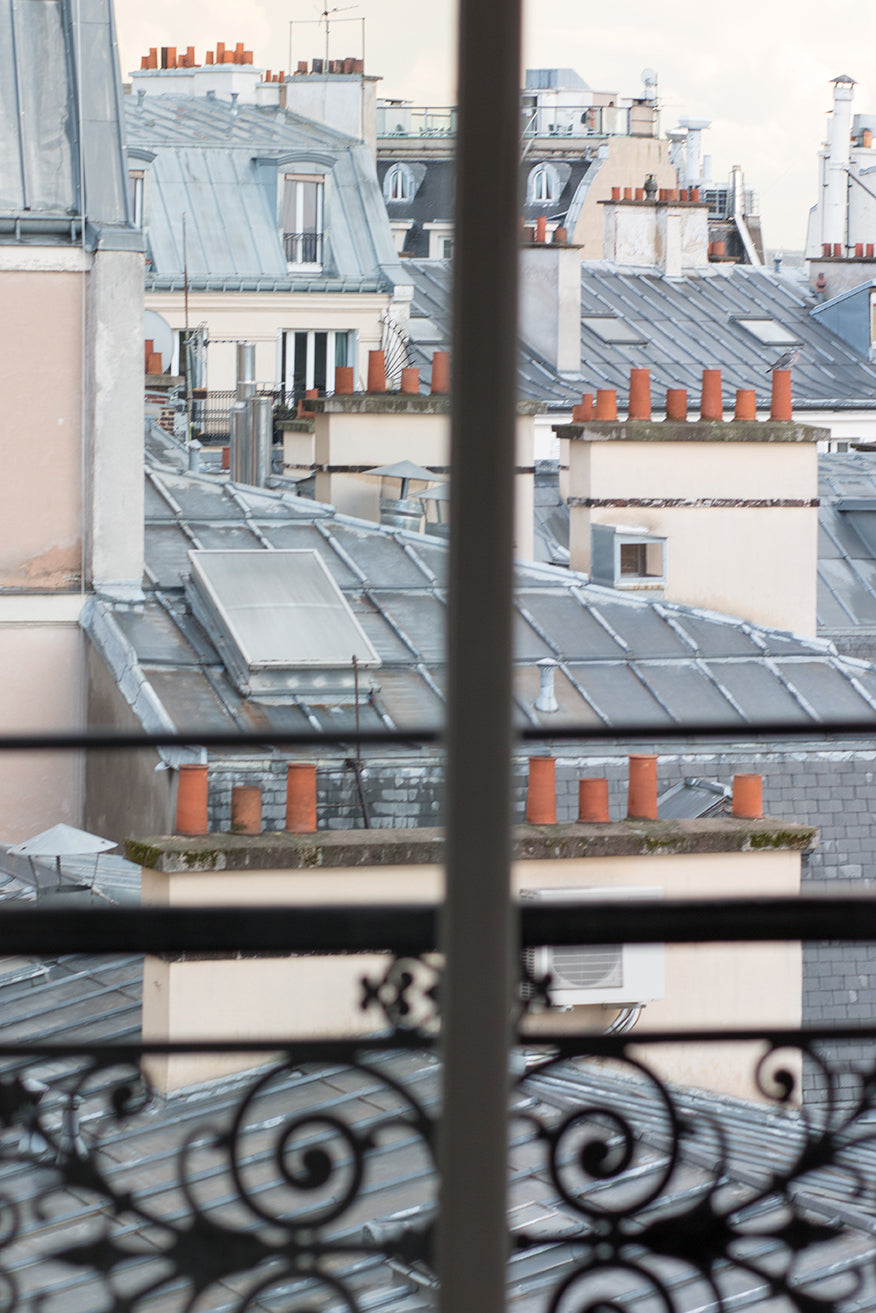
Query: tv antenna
{"points": [[325, 19]]}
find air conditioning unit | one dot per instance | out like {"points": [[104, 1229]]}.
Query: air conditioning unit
{"points": [[611, 974]]}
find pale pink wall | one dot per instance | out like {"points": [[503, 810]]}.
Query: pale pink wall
{"points": [[40, 429], [41, 689]]}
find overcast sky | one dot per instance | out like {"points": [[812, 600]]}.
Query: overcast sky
{"points": [[759, 69]]}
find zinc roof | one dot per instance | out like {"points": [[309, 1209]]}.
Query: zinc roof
{"points": [[221, 165], [61, 147], [617, 659], [682, 326]]}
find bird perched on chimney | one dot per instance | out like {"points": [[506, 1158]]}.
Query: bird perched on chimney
{"points": [[786, 360]]}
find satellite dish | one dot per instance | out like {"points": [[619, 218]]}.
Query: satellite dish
{"points": [[649, 77], [156, 327]]}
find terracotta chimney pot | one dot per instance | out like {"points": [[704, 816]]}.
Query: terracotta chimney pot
{"points": [[376, 371], [711, 408], [343, 380], [541, 229], [676, 404], [440, 373], [640, 394], [246, 809], [780, 405], [410, 382], [606, 403], [191, 800], [301, 798], [226, 458], [593, 800], [748, 797], [642, 795], [746, 404], [541, 794]]}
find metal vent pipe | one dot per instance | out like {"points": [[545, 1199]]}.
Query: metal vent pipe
{"points": [[261, 427], [241, 444]]}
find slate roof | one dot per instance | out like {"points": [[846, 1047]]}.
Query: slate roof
{"points": [[218, 162], [619, 660], [60, 108], [847, 542], [685, 325]]}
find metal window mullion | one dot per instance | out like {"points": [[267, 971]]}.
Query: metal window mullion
{"points": [[477, 923]]}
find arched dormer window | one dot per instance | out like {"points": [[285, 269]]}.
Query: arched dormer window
{"points": [[544, 184], [398, 183]]}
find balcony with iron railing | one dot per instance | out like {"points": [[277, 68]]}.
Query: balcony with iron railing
{"points": [[308, 1179], [304, 248]]}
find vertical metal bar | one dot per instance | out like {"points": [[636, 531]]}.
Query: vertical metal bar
{"points": [[477, 921]]}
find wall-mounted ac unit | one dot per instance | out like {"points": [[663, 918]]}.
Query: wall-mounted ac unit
{"points": [[611, 974]]}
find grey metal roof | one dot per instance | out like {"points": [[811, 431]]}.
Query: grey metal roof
{"points": [[60, 107], [619, 660], [684, 1149], [847, 542], [218, 162], [683, 325]]}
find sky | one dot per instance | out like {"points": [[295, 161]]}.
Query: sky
{"points": [[760, 69]]}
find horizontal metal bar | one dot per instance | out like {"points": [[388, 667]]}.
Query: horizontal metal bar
{"points": [[561, 1044], [411, 929], [108, 739]]}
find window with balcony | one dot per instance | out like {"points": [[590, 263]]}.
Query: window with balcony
{"points": [[303, 206]]}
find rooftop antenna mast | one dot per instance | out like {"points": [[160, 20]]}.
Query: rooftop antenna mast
{"points": [[325, 17]]}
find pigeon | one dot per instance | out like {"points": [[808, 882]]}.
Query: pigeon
{"points": [[785, 360]]}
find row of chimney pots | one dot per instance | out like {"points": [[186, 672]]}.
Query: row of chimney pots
{"points": [[541, 793], [603, 404], [168, 58], [541, 797]]}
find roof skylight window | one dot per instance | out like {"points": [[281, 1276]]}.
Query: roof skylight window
{"points": [[611, 329], [278, 619], [769, 332]]}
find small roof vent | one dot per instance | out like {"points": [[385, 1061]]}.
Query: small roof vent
{"points": [[279, 621]]}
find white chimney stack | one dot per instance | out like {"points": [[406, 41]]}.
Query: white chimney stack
{"points": [[693, 171], [834, 214]]}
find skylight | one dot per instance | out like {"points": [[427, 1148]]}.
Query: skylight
{"points": [[278, 619], [769, 332], [611, 329]]}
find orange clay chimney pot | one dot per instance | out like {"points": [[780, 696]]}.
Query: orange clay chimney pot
{"points": [[676, 403], [593, 800], [606, 403], [640, 394], [410, 382], [246, 809], [541, 793], [642, 795], [711, 408], [376, 371], [746, 404], [301, 798], [191, 800], [780, 406], [748, 797], [440, 373], [343, 380]]}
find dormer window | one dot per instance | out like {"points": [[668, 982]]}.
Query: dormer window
{"points": [[135, 194], [398, 183], [544, 184], [303, 203]]}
